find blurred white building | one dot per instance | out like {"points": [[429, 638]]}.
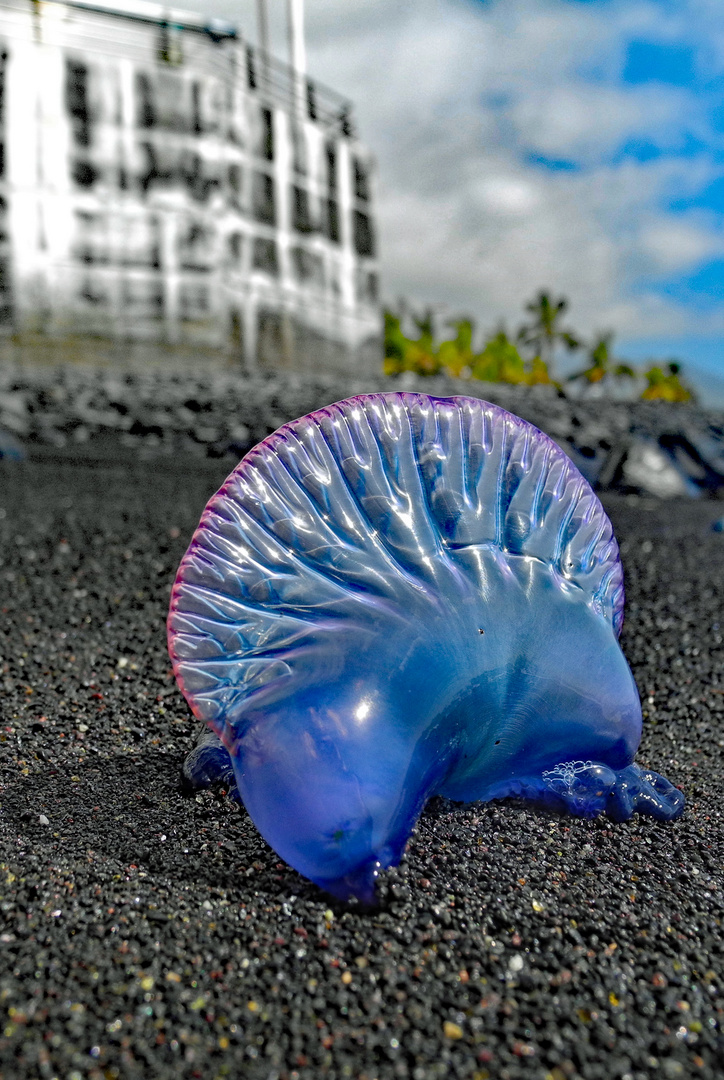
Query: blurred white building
{"points": [[166, 187]]}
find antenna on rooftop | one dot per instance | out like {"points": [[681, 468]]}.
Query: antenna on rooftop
{"points": [[297, 51], [262, 24]]}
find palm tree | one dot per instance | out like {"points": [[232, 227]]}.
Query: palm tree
{"points": [[599, 355], [424, 323], [410, 354], [664, 384], [601, 363], [456, 356], [545, 330], [395, 344], [499, 361], [422, 354]]}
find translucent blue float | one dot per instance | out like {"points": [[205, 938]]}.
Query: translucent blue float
{"points": [[402, 596]]}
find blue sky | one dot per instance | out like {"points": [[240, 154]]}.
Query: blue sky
{"points": [[576, 145]]}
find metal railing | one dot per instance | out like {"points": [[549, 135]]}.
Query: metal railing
{"points": [[271, 77], [280, 84], [216, 29]]}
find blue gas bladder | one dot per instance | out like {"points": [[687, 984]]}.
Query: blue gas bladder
{"points": [[401, 596]]}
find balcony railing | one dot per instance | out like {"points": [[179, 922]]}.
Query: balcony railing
{"points": [[279, 84]]}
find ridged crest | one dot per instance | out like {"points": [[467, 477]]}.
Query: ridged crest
{"points": [[371, 501]]}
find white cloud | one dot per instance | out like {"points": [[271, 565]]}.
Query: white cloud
{"points": [[678, 245], [509, 196]]}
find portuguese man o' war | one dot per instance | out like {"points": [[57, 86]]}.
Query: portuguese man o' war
{"points": [[402, 596]]}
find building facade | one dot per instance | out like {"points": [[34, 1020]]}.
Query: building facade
{"points": [[166, 188]]}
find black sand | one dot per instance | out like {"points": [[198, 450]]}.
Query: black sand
{"points": [[148, 933]]}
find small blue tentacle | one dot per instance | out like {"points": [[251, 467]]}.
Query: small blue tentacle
{"points": [[643, 791], [208, 763]]}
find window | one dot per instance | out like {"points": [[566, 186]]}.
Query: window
{"points": [[3, 62], [140, 242], [265, 256], [331, 154], [235, 247], [194, 301], [235, 176], [361, 179], [345, 121], [333, 220], [196, 246], [266, 135], [76, 101], [236, 331], [364, 241], [145, 107], [195, 172], [263, 199], [6, 304], [142, 299], [299, 149], [198, 125], [91, 238], [301, 210], [92, 291], [236, 116], [84, 174], [175, 103], [251, 68], [308, 268], [150, 171], [367, 287], [311, 100]]}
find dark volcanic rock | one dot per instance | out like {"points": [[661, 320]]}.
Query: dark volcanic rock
{"points": [[104, 415], [150, 933], [10, 448]]}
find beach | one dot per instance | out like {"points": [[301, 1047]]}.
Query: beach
{"points": [[150, 932]]}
